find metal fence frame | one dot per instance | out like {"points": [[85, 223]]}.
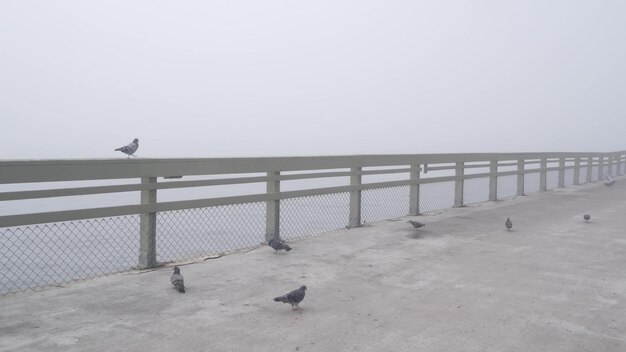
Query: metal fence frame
{"points": [[416, 166]]}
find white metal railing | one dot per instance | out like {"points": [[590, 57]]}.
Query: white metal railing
{"points": [[417, 166]]}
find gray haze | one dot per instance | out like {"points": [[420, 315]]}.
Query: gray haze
{"points": [[234, 78]]}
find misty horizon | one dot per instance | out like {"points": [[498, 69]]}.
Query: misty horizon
{"points": [[195, 79]]}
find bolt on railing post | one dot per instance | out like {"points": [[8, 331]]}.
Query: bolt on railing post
{"points": [[520, 177], [543, 165], [147, 227], [272, 207], [355, 198], [561, 172], [493, 180], [458, 184], [577, 170], [414, 190], [589, 168], [600, 168]]}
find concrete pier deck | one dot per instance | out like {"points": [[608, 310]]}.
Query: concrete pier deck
{"points": [[462, 283]]}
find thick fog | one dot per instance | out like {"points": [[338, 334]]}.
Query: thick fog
{"points": [[257, 78]]}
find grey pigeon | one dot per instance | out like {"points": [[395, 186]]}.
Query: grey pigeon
{"points": [[177, 280], [587, 217], [130, 148], [416, 224], [294, 297], [609, 181], [508, 223], [278, 245]]}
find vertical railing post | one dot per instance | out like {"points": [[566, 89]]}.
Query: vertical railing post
{"points": [[577, 170], [543, 165], [414, 190], [520, 177], [589, 168], [620, 166], [493, 180], [561, 172], [610, 166], [272, 207], [600, 168], [458, 184], [355, 198], [147, 226]]}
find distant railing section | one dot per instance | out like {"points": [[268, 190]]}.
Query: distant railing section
{"points": [[367, 188]]}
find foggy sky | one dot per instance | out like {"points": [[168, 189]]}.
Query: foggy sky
{"points": [[259, 78]]}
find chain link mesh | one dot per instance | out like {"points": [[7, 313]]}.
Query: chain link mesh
{"points": [[552, 179], [192, 233], [384, 203], [37, 256], [314, 215], [568, 177], [507, 186], [436, 196], [476, 190], [582, 177], [531, 182]]}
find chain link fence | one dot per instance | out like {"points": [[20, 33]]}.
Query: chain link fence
{"points": [[37, 256], [476, 190], [193, 233], [384, 203], [314, 215], [531, 182], [436, 196]]}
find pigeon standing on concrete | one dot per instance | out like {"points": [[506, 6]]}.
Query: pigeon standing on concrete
{"points": [[416, 224], [177, 280], [278, 245], [508, 223], [294, 297], [587, 217], [609, 181], [130, 148]]}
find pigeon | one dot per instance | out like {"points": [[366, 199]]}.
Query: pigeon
{"points": [[278, 245], [508, 223], [177, 280], [609, 181], [294, 297], [587, 217], [416, 224], [130, 148]]}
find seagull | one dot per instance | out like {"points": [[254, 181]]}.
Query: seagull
{"points": [[416, 224], [294, 297], [508, 223], [587, 217], [177, 280], [278, 245], [130, 148], [609, 181]]}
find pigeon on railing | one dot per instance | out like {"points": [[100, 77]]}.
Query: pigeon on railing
{"points": [[508, 223], [294, 297], [177, 280], [416, 224], [587, 217], [609, 181], [278, 245], [130, 148]]}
